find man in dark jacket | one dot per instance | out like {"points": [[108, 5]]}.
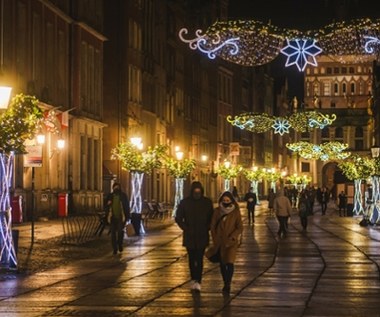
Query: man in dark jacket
{"points": [[193, 216], [118, 212], [251, 200]]}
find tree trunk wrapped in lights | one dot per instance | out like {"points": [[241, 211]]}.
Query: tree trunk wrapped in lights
{"points": [[179, 169], [17, 124], [138, 163], [272, 176], [228, 173], [255, 176], [358, 168]]}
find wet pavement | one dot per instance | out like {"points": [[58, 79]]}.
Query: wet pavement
{"points": [[332, 269]]}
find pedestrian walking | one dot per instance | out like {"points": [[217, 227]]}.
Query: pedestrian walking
{"points": [[118, 212], [226, 230], [282, 207], [193, 216], [323, 199], [271, 197], [251, 199], [342, 204], [303, 209]]}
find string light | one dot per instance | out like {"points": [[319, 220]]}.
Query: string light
{"points": [[326, 151], [300, 121], [253, 43]]}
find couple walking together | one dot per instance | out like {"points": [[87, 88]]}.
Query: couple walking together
{"points": [[196, 217]]}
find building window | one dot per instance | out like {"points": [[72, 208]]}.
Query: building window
{"points": [[325, 135], [305, 136], [225, 88], [134, 84], [339, 134], [351, 70], [352, 88], [305, 167], [361, 87], [326, 89], [332, 104], [329, 70], [336, 89], [336, 70], [359, 142], [344, 70], [344, 88], [316, 89]]}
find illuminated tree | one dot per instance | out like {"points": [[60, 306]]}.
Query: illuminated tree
{"points": [[228, 172], [255, 176], [272, 176], [138, 163], [357, 169], [179, 169], [17, 124]]}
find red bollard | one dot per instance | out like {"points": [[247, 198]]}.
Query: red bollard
{"points": [[62, 205], [17, 209]]}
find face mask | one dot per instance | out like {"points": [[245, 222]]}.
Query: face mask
{"points": [[226, 205], [197, 195]]}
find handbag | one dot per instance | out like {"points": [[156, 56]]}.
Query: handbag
{"points": [[213, 254], [129, 229]]}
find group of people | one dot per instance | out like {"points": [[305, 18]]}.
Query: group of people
{"points": [[197, 218]]}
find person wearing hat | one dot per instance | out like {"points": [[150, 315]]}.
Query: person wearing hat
{"points": [[193, 216], [118, 212]]}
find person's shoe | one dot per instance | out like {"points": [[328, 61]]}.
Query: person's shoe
{"points": [[197, 287], [226, 289]]}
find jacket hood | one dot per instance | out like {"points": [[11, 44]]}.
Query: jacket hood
{"points": [[195, 185]]}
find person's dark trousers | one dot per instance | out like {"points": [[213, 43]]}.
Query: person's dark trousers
{"points": [[311, 207], [304, 222], [283, 222], [227, 270], [196, 263], [251, 215], [117, 234], [324, 207]]}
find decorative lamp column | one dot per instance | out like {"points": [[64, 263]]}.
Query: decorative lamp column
{"points": [[178, 184], [374, 215], [227, 180], [137, 177]]}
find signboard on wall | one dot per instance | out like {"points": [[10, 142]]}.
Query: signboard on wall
{"points": [[33, 157]]}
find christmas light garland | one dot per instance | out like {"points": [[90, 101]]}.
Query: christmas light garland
{"points": [[300, 121], [253, 43], [326, 151]]}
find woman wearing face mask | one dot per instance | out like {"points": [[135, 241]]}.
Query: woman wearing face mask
{"points": [[226, 229]]}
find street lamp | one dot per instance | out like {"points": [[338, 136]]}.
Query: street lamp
{"points": [[5, 94], [136, 141]]}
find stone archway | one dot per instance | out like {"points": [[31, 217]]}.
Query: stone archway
{"points": [[328, 173]]}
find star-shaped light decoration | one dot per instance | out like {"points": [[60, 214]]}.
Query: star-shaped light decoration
{"points": [[281, 126], [301, 52]]}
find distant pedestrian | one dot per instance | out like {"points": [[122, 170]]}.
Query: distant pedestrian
{"points": [[226, 230], [283, 208], [193, 216], [271, 197], [235, 193], [303, 209], [118, 212], [251, 200], [342, 204], [311, 197], [323, 199]]}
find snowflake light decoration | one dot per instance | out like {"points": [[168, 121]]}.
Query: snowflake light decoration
{"points": [[281, 126], [333, 150], [301, 52]]}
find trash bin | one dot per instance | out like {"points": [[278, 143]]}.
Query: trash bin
{"points": [[17, 209], [136, 222], [63, 204]]}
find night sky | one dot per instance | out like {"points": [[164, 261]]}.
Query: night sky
{"points": [[302, 15]]}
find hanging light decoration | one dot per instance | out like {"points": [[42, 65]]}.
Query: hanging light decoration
{"points": [[253, 43], [326, 151], [299, 121]]}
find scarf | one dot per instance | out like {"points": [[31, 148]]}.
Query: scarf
{"points": [[226, 210]]}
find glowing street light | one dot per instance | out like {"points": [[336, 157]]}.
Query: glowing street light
{"points": [[5, 94], [136, 141], [40, 139], [179, 155]]}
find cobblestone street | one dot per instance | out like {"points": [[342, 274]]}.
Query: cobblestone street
{"points": [[330, 270]]}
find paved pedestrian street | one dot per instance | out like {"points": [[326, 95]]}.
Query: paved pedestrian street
{"points": [[330, 270]]}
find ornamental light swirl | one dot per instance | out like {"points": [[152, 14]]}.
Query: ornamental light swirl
{"points": [[326, 151]]}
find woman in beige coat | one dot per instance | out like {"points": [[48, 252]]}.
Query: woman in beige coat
{"points": [[226, 230]]}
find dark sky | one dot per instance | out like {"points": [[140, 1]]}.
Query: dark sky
{"points": [[302, 15]]}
